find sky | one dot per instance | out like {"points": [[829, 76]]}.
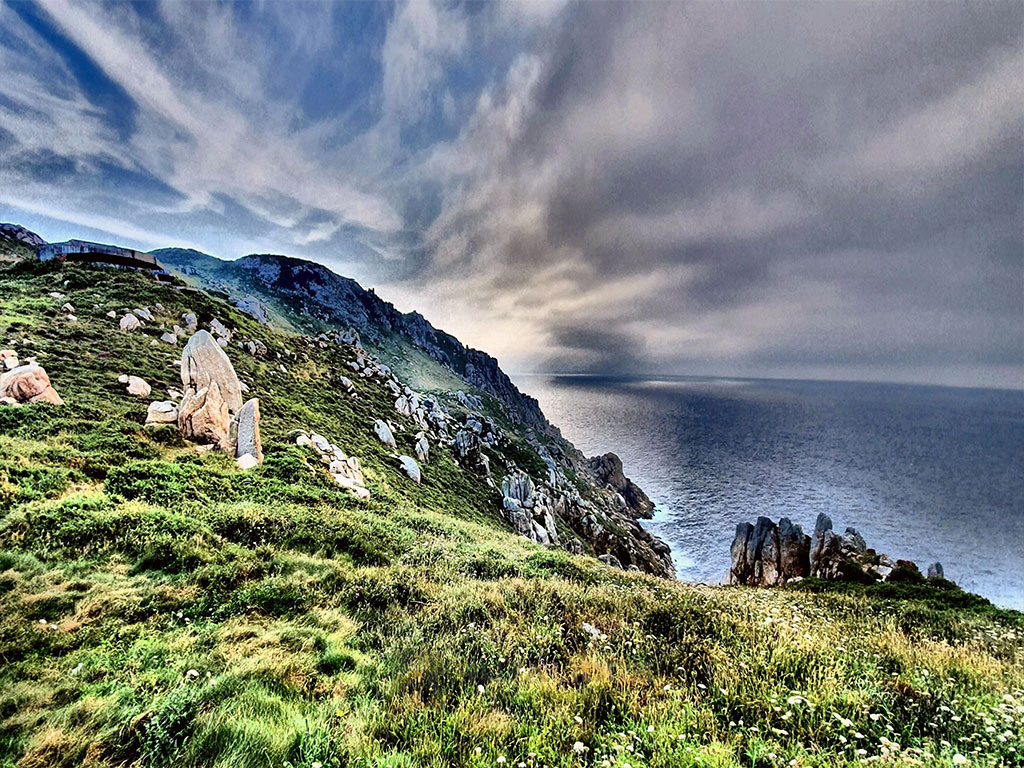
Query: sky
{"points": [[808, 190]]}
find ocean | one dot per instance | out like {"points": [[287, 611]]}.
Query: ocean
{"points": [[924, 473]]}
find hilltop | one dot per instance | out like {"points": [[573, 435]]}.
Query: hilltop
{"points": [[163, 606]]}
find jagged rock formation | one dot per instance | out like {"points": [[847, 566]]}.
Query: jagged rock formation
{"points": [[469, 453], [607, 470], [27, 384], [528, 509], [767, 555], [211, 409]]}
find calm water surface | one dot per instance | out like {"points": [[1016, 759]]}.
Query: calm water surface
{"points": [[926, 473]]}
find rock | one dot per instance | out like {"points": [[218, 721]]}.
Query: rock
{"points": [[138, 387], [169, 338], [162, 412], [518, 487], [71, 318], [383, 432], [56, 295], [469, 454], [130, 323], [28, 384], [67, 308], [410, 467], [935, 572], [766, 554], [422, 447], [610, 560], [403, 406], [212, 395], [9, 358], [607, 470], [143, 314], [111, 314], [246, 461], [190, 322], [248, 431], [219, 329]]}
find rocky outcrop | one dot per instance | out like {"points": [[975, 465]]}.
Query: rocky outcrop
{"points": [[27, 384], [469, 454], [211, 409], [422, 447], [529, 509], [607, 471], [765, 554]]}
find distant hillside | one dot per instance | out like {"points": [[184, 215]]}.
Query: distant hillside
{"points": [[309, 297], [17, 243]]}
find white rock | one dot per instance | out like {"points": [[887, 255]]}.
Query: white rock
{"points": [[169, 338], [247, 461], [410, 467], [143, 314], [383, 432], [111, 314], [138, 387], [162, 412], [130, 323]]}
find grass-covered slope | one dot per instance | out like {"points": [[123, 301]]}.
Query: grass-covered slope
{"points": [[161, 608]]}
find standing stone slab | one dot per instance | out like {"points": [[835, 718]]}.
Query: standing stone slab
{"points": [[249, 431]]}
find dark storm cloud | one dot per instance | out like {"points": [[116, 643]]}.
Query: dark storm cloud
{"points": [[825, 189], [833, 185]]}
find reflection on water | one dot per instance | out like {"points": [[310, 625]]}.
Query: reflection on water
{"points": [[927, 473]]}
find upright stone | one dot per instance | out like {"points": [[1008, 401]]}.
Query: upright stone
{"points": [[212, 397], [248, 442]]}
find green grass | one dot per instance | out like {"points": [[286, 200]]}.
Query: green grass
{"points": [[161, 608]]}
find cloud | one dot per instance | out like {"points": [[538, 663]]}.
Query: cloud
{"points": [[670, 187]]}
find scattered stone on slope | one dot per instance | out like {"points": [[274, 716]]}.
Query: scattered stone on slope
{"points": [[190, 321], [422, 447], [27, 384], [130, 323], [9, 358], [345, 470], [135, 386], [383, 432], [169, 338], [411, 468], [162, 412]]}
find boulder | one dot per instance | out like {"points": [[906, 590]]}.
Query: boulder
{"points": [[138, 387], [9, 358], [143, 314], [422, 447], [212, 395], [935, 572], [190, 322], [410, 467], [162, 412], [610, 560], [28, 384], [248, 431], [168, 338], [766, 554], [246, 461], [130, 323], [383, 432]]}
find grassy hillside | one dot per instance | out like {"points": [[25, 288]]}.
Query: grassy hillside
{"points": [[158, 607]]}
